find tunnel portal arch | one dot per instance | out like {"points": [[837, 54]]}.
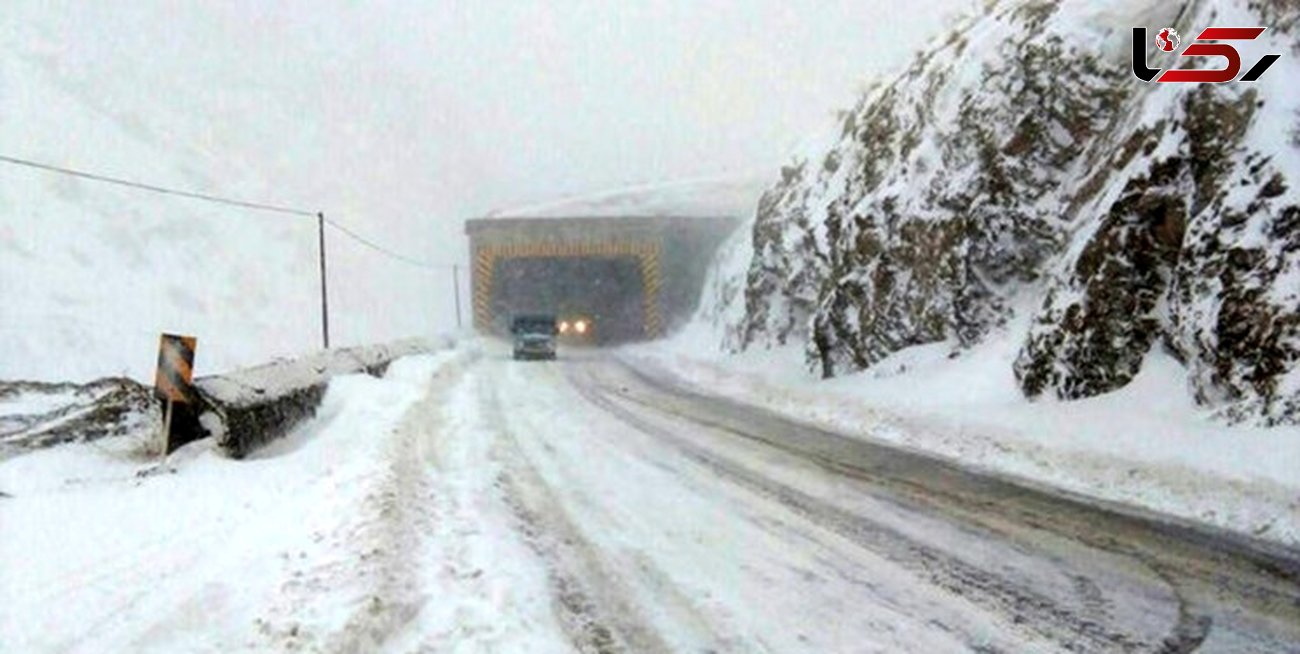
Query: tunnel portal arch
{"points": [[669, 254]]}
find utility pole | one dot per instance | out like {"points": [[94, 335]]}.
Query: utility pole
{"points": [[455, 285], [324, 288]]}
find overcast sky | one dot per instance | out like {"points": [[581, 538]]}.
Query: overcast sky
{"points": [[456, 108]]}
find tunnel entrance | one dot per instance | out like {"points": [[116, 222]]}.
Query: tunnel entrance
{"points": [[608, 292], [634, 277]]}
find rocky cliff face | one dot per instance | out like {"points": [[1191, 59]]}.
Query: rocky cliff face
{"points": [[1019, 165]]}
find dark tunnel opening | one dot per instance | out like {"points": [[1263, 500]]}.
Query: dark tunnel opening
{"points": [[608, 292]]}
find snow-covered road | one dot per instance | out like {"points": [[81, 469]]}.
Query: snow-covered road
{"points": [[707, 525], [469, 503]]}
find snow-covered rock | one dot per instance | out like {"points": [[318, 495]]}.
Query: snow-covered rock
{"points": [[1019, 160], [38, 414]]}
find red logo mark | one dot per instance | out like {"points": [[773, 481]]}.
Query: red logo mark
{"points": [[1206, 45], [1168, 40]]}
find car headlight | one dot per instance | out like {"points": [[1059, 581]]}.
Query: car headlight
{"points": [[580, 326], [564, 326]]}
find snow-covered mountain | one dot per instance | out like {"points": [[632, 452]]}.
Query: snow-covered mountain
{"points": [[91, 273], [1019, 169]]}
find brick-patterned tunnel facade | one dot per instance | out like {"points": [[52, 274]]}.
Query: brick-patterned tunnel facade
{"points": [[636, 277]]}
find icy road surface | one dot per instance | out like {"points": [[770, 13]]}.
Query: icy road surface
{"points": [[470, 503]]}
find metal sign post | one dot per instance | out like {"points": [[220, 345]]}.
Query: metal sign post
{"points": [[174, 377]]}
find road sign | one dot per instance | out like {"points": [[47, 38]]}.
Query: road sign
{"points": [[172, 380], [175, 367]]}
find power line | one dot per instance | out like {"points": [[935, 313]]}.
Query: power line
{"points": [[383, 250], [259, 206], [156, 189]]}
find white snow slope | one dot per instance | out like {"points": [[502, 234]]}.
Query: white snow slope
{"points": [[91, 273], [321, 542]]}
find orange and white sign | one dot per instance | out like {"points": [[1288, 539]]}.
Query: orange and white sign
{"points": [[175, 367]]}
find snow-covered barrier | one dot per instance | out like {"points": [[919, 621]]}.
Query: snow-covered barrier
{"points": [[246, 409]]}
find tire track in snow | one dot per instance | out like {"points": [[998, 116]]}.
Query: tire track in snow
{"points": [[402, 518], [719, 623], [592, 606], [1040, 614]]}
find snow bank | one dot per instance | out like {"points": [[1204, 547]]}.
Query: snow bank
{"points": [[291, 548], [370, 527]]}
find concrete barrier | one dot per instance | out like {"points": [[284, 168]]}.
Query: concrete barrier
{"points": [[246, 409]]}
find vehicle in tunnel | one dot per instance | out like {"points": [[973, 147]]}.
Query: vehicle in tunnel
{"points": [[605, 295], [534, 336]]}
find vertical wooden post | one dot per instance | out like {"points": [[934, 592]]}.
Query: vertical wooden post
{"points": [[324, 284], [455, 285]]}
